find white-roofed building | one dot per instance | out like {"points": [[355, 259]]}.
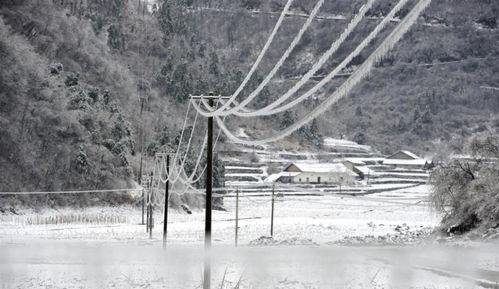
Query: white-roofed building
{"points": [[283, 177], [319, 173], [405, 160]]}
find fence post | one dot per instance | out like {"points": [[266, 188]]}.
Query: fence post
{"points": [[272, 212]]}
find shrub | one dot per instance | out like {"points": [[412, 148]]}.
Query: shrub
{"points": [[72, 79], [466, 190]]}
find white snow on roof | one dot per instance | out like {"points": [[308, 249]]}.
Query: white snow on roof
{"points": [[275, 177], [355, 162], [365, 170], [322, 167], [332, 142], [418, 161], [412, 155], [362, 161]]}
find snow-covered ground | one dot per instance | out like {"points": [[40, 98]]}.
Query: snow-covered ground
{"points": [[114, 251], [323, 219]]}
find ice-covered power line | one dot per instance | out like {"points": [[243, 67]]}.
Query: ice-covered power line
{"points": [[322, 60], [489, 87], [184, 126], [181, 169], [176, 169], [274, 70], [270, 109], [347, 86], [259, 58], [182, 162]]}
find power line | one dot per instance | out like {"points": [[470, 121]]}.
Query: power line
{"points": [[347, 86], [259, 58], [281, 61], [489, 87], [267, 110]]}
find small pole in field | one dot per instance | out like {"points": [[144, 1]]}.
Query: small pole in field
{"points": [[143, 202], [272, 212], [151, 221], [165, 219], [148, 198], [237, 215]]}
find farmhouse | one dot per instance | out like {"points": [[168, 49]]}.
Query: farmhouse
{"points": [[405, 160], [323, 173]]}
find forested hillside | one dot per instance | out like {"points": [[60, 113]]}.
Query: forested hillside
{"points": [[86, 85]]}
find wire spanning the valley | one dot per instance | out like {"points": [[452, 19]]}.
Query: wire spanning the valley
{"points": [[362, 72], [232, 107], [240, 107]]}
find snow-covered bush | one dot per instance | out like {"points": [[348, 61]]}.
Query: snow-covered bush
{"points": [[466, 190]]}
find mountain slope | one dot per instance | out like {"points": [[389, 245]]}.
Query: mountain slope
{"points": [[79, 124]]}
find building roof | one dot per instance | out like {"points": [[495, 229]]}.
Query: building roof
{"points": [[407, 153], [416, 162], [321, 168], [365, 170], [275, 177], [362, 161]]}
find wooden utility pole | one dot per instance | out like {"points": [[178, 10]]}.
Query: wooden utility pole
{"points": [[151, 219], [143, 207], [272, 212], [144, 183], [237, 215], [209, 189], [148, 201], [148, 198], [167, 195]]}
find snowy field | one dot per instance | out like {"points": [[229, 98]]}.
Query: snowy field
{"points": [[319, 242]]}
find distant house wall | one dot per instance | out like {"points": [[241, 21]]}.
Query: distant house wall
{"points": [[350, 165], [308, 178], [408, 167], [325, 178]]}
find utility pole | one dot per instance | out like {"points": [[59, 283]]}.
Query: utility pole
{"points": [[272, 212], [151, 219], [144, 184], [209, 184], [209, 189], [148, 198], [151, 201], [143, 208], [148, 202], [167, 195], [237, 215]]}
